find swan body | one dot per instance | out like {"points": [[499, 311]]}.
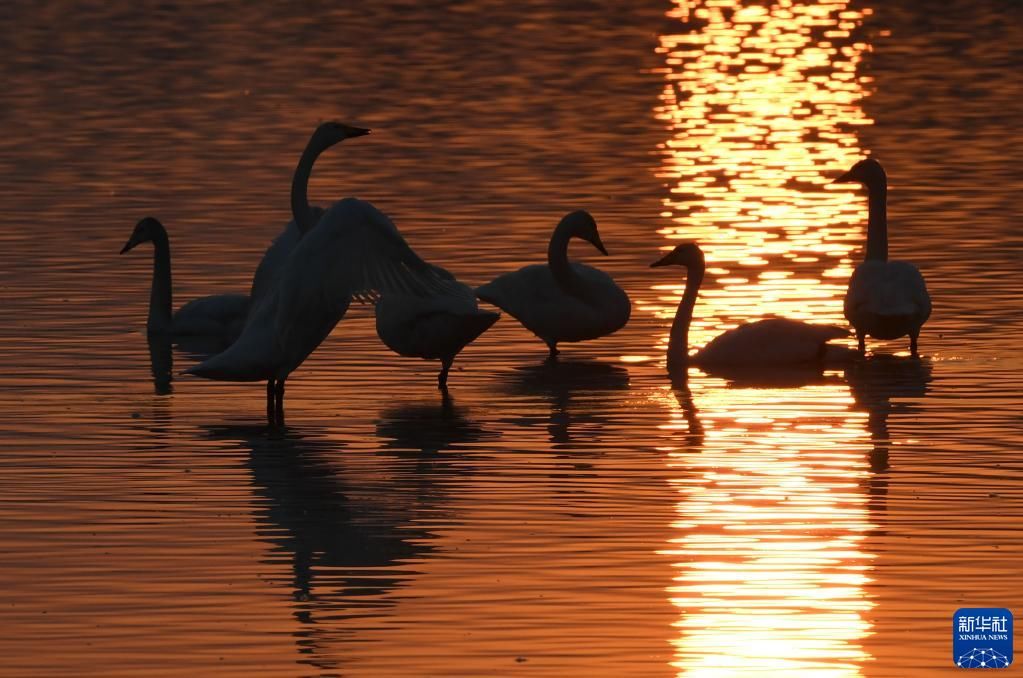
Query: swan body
{"points": [[353, 250], [885, 299], [562, 301], [218, 315], [767, 343], [435, 327], [270, 266]]}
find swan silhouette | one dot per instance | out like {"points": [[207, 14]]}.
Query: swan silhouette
{"points": [[768, 343], [562, 301], [885, 299], [436, 327], [218, 315], [353, 252], [326, 135]]}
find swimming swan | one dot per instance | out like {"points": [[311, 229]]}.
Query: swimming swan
{"points": [[772, 342], [353, 251], [561, 301], [325, 136], [435, 327], [885, 299], [220, 315]]}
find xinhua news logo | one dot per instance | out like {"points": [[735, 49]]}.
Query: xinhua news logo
{"points": [[982, 638]]}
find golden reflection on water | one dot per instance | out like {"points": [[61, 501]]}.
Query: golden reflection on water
{"points": [[762, 102]]}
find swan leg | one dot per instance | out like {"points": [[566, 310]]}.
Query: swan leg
{"points": [[442, 378], [552, 346], [279, 397], [912, 344], [270, 402], [861, 340]]}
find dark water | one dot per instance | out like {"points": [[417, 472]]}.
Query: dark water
{"points": [[587, 521]]}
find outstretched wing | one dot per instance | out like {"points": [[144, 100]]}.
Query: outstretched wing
{"points": [[354, 251]]}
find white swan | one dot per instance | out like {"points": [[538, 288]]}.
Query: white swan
{"points": [[885, 299], [435, 327], [772, 342], [561, 301], [219, 315], [325, 136], [353, 250]]}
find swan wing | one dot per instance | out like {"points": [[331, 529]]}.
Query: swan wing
{"points": [[354, 251], [276, 255], [770, 342]]}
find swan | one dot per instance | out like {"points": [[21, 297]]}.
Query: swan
{"points": [[562, 301], [325, 136], [885, 299], [768, 343], [353, 250], [219, 315], [436, 327]]}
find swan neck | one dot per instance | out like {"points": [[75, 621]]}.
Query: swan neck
{"points": [[557, 257], [300, 209], [877, 223], [678, 341], [160, 302]]}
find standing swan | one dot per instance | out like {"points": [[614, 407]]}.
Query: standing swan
{"points": [[561, 300], [885, 299], [325, 136], [353, 250], [436, 327], [773, 342], [218, 315]]}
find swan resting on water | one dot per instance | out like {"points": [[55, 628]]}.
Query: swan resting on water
{"points": [[768, 343], [562, 301], [434, 327], [885, 299], [353, 251], [218, 315]]}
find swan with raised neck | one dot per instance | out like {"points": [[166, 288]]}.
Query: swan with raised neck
{"points": [[304, 215], [885, 299]]}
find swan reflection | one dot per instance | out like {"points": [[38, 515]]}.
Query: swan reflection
{"points": [[351, 537], [429, 428]]}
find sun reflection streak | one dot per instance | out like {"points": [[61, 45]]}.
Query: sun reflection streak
{"points": [[762, 103]]}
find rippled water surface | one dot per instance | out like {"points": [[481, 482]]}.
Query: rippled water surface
{"points": [[584, 519]]}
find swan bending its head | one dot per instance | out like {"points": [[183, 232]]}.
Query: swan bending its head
{"points": [[562, 301], [885, 299], [305, 216], [218, 315], [768, 343]]}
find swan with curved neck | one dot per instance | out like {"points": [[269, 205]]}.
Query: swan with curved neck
{"points": [[353, 250], [562, 301], [885, 299], [772, 342], [220, 315], [304, 215]]}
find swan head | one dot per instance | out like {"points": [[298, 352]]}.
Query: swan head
{"points": [[330, 133], [687, 254], [867, 172], [582, 225], [148, 229]]}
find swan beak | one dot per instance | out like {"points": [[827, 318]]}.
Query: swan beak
{"points": [[599, 245], [663, 261], [128, 245], [357, 131], [845, 179]]}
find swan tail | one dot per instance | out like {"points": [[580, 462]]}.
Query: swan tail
{"points": [[475, 324]]}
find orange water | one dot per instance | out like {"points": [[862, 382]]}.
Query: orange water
{"points": [[588, 520]]}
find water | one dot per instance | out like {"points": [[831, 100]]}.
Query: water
{"points": [[593, 520]]}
